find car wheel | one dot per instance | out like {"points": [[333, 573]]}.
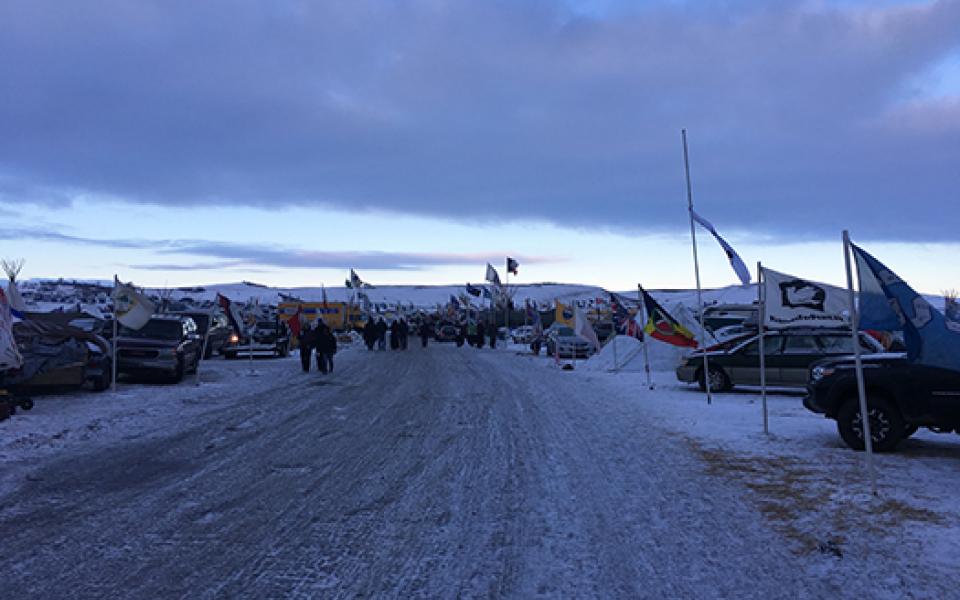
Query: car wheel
{"points": [[719, 381], [230, 355], [178, 372], [886, 425], [26, 403], [103, 382]]}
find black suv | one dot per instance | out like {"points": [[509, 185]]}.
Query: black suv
{"points": [[270, 338], [167, 344], [901, 397]]}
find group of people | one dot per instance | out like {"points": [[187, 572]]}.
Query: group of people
{"points": [[375, 334], [319, 338]]}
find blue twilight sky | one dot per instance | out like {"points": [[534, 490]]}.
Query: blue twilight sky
{"points": [[285, 142]]}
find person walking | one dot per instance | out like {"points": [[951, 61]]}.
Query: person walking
{"points": [[493, 335], [305, 341], [481, 335], [370, 334], [395, 335], [424, 333], [381, 334], [326, 348], [404, 334]]}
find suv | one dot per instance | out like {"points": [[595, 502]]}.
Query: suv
{"points": [[788, 357], [219, 329], [168, 344], [270, 338], [901, 397]]}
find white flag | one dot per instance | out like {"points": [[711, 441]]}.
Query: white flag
{"points": [[9, 353], [132, 309], [583, 328], [735, 261], [793, 302]]}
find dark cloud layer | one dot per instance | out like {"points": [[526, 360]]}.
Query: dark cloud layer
{"points": [[246, 256], [803, 119]]}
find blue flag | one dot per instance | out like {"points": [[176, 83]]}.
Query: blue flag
{"points": [[930, 338]]}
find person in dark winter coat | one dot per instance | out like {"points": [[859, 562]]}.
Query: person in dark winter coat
{"points": [[492, 331], [461, 334], [481, 335], [424, 333], [395, 335], [381, 334], [404, 333], [370, 334], [305, 340], [326, 348]]}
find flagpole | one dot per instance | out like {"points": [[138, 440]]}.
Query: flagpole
{"points": [[643, 319], [206, 339], [855, 333], [761, 316], [696, 268], [506, 309], [613, 339], [113, 370]]}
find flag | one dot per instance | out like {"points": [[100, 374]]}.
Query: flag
{"points": [[623, 322], [9, 353], [294, 322], [492, 275], [233, 315], [131, 308], [583, 328], [512, 266], [735, 261], [473, 290], [355, 281], [661, 326], [930, 338], [793, 302]]}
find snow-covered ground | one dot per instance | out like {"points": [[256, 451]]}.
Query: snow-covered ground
{"points": [[457, 472]]}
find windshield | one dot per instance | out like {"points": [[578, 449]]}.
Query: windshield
{"points": [[155, 329]]}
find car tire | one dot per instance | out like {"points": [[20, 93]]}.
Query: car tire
{"points": [[26, 403], [887, 427], [719, 380], [103, 382], [230, 355], [178, 372]]}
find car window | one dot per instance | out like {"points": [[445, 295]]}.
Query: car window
{"points": [[161, 329], [771, 345], [800, 344], [837, 344]]}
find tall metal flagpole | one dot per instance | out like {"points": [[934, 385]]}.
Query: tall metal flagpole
{"points": [[855, 333], [506, 300], [206, 340], [696, 268], [761, 317], [643, 320]]}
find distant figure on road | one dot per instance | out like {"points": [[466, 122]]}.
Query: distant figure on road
{"points": [[395, 335], [370, 334], [381, 334], [480, 336], [326, 347], [404, 333], [493, 336], [424, 333], [305, 340]]}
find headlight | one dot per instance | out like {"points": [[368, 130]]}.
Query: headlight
{"points": [[234, 338], [819, 373]]}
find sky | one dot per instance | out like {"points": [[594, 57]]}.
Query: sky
{"points": [[285, 142]]}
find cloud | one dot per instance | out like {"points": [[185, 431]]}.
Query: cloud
{"points": [[232, 255], [483, 110]]}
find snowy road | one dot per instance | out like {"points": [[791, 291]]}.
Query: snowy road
{"points": [[439, 473]]}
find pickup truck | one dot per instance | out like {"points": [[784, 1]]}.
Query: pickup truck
{"points": [[901, 397]]}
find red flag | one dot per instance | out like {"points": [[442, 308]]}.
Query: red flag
{"points": [[294, 322]]}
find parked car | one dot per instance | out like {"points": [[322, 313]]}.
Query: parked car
{"points": [[788, 357], [219, 329], [447, 333], [168, 344], [270, 338], [522, 334], [58, 354], [562, 341], [901, 397]]}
